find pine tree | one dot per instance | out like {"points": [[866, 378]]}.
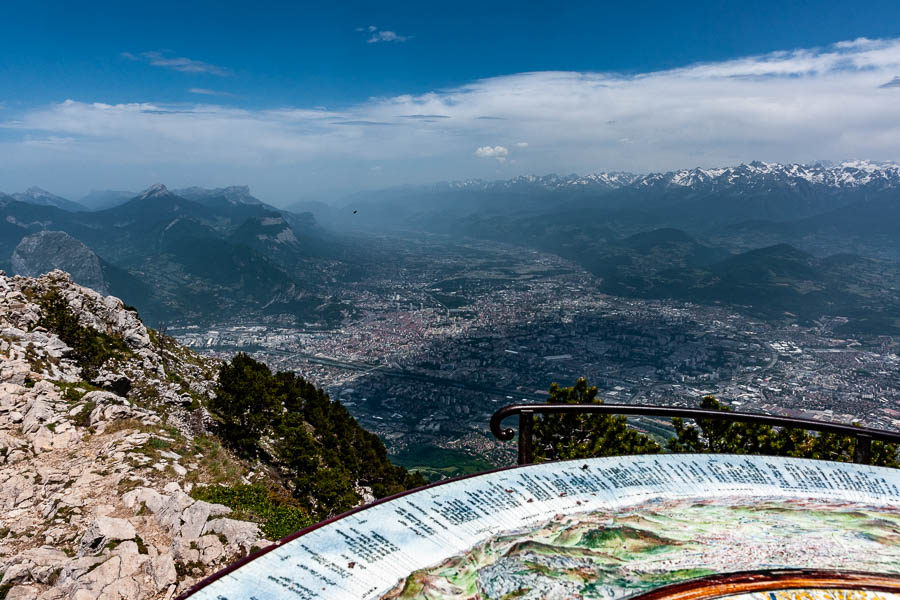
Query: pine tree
{"points": [[312, 441], [567, 436]]}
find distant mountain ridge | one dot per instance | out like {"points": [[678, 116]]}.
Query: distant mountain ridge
{"points": [[686, 198], [45, 251], [760, 236], [773, 282], [197, 254], [847, 174], [235, 194], [35, 195]]}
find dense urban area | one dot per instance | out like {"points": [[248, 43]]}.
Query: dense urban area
{"points": [[446, 333]]}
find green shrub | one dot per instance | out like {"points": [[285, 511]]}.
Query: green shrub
{"points": [[751, 438], [278, 515], [90, 348]]}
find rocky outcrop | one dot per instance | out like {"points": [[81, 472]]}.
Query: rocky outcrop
{"points": [[95, 483], [44, 251]]}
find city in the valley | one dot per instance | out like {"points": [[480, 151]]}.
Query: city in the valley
{"points": [[445, 333]]}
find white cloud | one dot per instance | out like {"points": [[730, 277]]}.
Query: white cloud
{"points": [[498, 152], [209, 92], [384, 35], [799, 105], [163, 58], [522, 144]]}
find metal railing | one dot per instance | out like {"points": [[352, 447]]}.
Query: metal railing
{"points": [[862, 435]]}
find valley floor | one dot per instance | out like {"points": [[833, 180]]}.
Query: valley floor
{"points": [[447, 332]]}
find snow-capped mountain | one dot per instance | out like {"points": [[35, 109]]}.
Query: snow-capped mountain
{"points": [[848, 174], [607, 180], [36, 195]]}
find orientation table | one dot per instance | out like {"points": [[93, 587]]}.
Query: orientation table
{"points": [[678, 526]]}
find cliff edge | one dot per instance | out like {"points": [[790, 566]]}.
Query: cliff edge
{"points": [[103, 438]]}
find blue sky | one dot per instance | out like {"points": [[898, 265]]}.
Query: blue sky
{"points": [[306, 100]]}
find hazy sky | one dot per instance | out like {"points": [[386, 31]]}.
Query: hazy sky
{"points": [[304, 100]]}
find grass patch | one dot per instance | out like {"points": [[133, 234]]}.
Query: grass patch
{"points": [[436, 463], [215, 464], [159, 444], [278, 514], [73, 392], [126, 485], [187, 569], [125, 424]]}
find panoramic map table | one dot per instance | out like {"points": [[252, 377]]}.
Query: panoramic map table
{"points": [[674, 526]]}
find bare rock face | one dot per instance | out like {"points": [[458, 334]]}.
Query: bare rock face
{"points": [[94, 484], [103, 531], [45, 251]]}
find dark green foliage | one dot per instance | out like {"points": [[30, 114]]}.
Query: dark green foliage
{"points": [[246, 403], [278, 516], [291, 424], [90, 348], [83, 416], [749, 438], [558, 437], [142, 547]]}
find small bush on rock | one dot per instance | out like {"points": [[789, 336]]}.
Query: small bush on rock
{"points": [[90, 348]]}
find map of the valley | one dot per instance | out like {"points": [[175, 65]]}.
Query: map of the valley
{"points": [[614, 554], [600, 528]]}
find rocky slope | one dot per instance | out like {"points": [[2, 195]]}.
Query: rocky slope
{"points": [[96, 476]]}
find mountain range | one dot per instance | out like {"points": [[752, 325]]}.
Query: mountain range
{"points": [[779, 240], [694, 199], [193, 254]]}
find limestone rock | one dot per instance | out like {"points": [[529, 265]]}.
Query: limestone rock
{"points": [[84, 513], [150, 498], [22, 592], [104, 530], [241, 533], [211, 549], [195, 516], [162, 571]]}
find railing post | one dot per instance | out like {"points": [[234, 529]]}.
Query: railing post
{"points": [[863, 450], [526, 423]]}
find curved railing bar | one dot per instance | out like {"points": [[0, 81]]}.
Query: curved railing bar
{"points": [[526, 412]]}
